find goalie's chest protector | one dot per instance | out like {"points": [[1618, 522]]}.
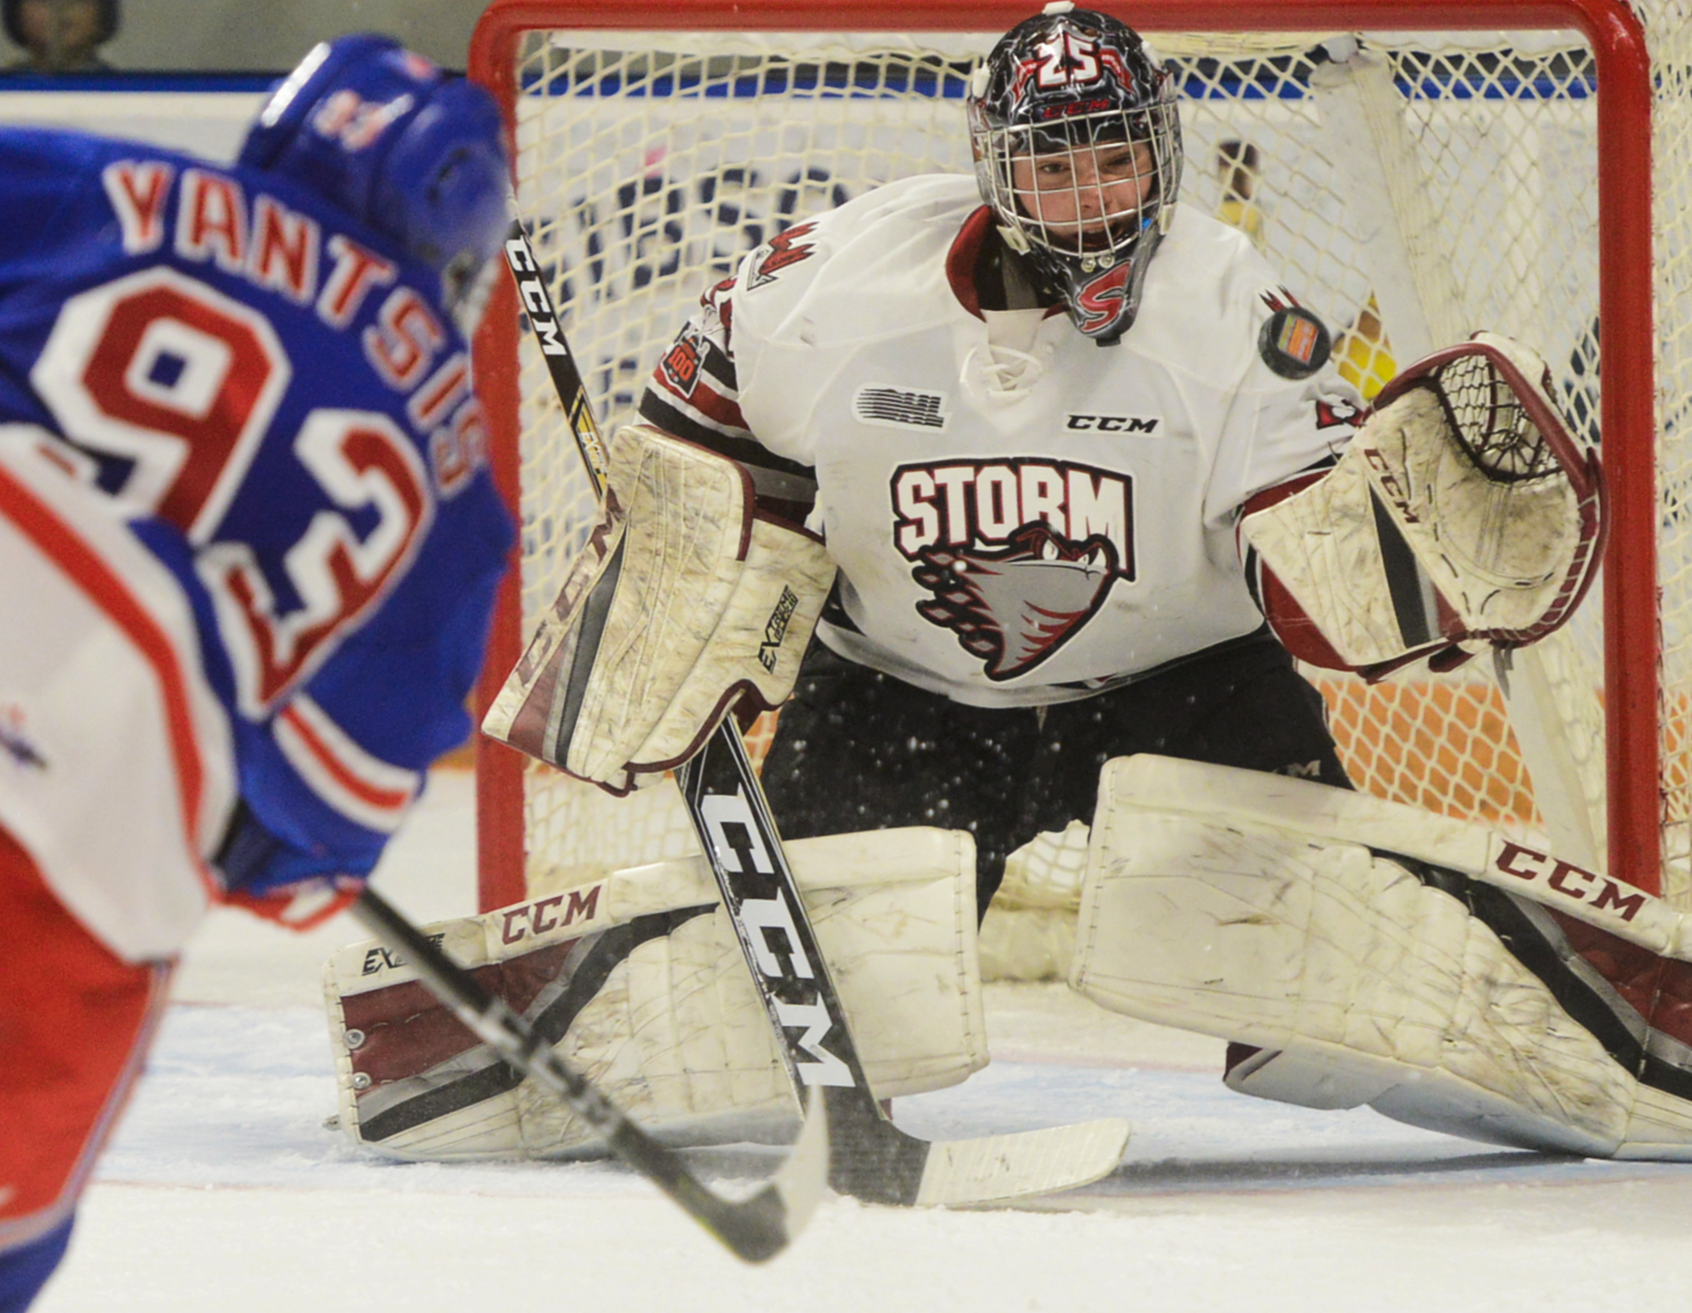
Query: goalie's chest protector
{"points": [[1013, 540]]}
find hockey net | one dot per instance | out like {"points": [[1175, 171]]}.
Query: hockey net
{"points": [[1411, 186]]}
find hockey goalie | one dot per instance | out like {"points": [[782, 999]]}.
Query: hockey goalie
{"points": [[903, 427], [1360, 952]]}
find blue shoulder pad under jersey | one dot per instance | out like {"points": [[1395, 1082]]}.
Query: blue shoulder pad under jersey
{"points": [[282, 389]]}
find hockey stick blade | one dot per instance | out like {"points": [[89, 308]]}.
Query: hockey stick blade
{"points": [[875, 1161], [869, 1157], [756, 1228]]}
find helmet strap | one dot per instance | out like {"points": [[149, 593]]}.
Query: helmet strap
{"points": [[1005, 280], [1014, 238]]}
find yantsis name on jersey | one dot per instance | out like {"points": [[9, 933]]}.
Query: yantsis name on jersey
{"points": [[229, 355], [1019, 515]]}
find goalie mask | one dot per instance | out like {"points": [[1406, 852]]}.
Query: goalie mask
{"points": [[1077, 147], [411, 153]]}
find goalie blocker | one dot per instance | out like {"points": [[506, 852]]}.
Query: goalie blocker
{"points": [[1372, 953], [1462, 515], [684, 603]]}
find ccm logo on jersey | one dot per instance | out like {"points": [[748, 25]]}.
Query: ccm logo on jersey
{"points": [[1017, 555], [1111, 423]]}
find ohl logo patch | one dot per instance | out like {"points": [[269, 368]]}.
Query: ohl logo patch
{"points": [[1017, 556]]}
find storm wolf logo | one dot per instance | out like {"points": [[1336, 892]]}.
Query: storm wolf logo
{"points": [[1015, 606]]}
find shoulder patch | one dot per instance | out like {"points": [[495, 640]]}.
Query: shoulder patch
{"points": [[785, 249], [1331, 412], [682, 362], [1294, 343]]}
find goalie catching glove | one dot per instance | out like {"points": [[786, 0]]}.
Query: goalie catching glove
{"points": [[638, 981], [685, 603], [1373, 953], [1462, 515]]}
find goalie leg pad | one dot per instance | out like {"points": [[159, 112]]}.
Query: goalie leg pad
{"points": [[683, 602], [638, 980], [1368, 978]]}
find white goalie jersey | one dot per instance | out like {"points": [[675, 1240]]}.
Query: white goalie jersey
{"points": [[1019, 515]]}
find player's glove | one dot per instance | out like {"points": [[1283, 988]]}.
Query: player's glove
{"points": [[686, 603]]}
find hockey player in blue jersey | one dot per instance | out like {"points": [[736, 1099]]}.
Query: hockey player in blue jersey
{"points": [[248, 548]]}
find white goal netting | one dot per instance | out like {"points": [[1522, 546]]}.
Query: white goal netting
{"points": [[1410, 187]]}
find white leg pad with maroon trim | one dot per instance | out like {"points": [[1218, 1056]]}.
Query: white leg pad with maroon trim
{"points": [[638, 980], [1432, 969], [683, 602]]}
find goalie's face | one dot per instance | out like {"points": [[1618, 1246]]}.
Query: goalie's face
{"points": [[1089, 198]]}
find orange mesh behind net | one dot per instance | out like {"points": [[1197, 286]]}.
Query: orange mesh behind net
{"points": [[1445, 747]]}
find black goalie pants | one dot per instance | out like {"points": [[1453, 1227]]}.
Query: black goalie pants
{"points": [[859, 750]]}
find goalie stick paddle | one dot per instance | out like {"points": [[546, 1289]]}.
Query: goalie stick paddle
{"points": [[870, 1158], [756, 1228]]}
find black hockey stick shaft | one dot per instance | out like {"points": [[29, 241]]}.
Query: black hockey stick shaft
{"points": [[756, 1228], [869, 1157], [549, 336]]}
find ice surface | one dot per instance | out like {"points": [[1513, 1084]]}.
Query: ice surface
{"points": [[223, 1190]]}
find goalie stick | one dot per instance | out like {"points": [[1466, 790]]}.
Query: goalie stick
{"points": [[756, 1228], [869, 1157]]}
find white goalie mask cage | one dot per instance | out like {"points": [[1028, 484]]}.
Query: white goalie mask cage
{"points": [[1030, 209]]}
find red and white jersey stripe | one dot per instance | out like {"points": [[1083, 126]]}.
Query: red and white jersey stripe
{"points": [[359, 785], [694, 393]]}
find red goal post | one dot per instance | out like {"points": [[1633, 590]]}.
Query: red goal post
{"points": [[523, 51]]}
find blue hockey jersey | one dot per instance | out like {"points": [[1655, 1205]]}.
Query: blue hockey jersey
{"points": [[282, 401]]}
